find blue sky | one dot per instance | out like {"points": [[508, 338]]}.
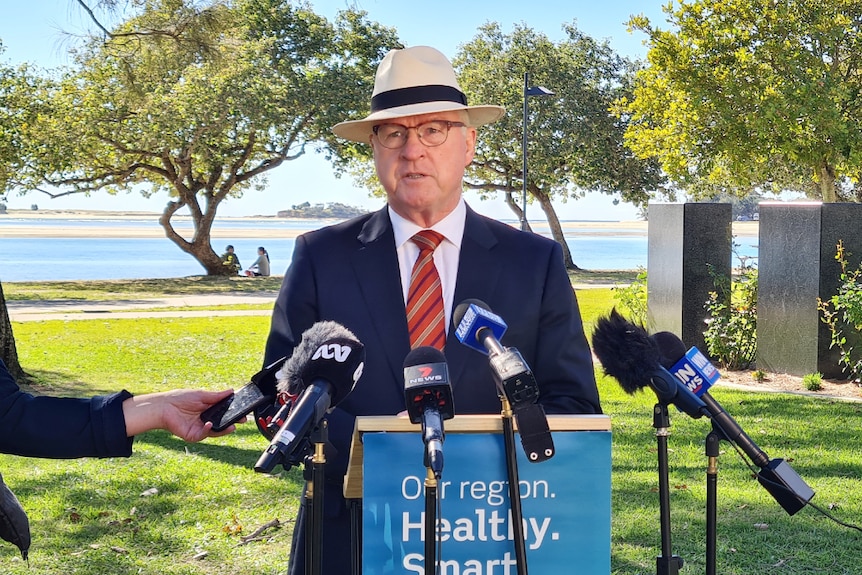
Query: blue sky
{"points": [[33, 31]]}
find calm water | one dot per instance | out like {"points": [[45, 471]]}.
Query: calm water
{"points": [[25, 259]]}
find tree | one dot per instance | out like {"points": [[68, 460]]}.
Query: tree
{"points": [[198, 100], [748, 94], [575, 142], [8, 351]]}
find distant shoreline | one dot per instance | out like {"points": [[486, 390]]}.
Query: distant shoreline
{"points": [[593, 228]]}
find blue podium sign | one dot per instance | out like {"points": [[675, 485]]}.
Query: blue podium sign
{"points": [[566, 504]]}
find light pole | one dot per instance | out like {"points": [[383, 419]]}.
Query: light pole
{"points": [[528, 91]]}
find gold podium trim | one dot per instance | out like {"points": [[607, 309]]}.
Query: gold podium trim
{"points": [[458, 424]]}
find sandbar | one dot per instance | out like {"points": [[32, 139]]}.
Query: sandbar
{"points": [[183, 226]]}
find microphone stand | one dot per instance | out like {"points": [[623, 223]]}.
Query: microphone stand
{"points": [[430, 522], [314, 494], [712, 450], [666, 563], [514, 486]]}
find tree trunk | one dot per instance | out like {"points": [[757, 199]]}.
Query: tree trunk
{"points": [[516, 208], [200, 246], [556, 228], [8, 351], [826, 183]]}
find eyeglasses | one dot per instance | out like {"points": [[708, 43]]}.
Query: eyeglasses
{"points": [[434, 133]]}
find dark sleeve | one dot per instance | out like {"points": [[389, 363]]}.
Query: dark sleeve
{"points": [[61, 428], [563, 365]]}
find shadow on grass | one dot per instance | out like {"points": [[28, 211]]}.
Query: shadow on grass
{"points": [[45, 382], [208, 448]]}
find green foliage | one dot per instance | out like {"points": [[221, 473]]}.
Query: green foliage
{"points": [[749, 95], [574, 143], [633, 297], [758, 375], [843, 314], [813, 381], [731, 331], [197, 99]]}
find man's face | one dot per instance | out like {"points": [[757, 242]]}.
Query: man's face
{"points": [[422, 183]]}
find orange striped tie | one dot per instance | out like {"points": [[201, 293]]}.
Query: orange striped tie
{"points": [[425, 318]]}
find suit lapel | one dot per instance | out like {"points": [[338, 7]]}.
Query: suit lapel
{"points": [[376, 268], [478, 268]]}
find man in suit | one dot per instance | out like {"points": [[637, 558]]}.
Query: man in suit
{"points": [[358, 273]]}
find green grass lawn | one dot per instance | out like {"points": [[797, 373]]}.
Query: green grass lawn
{"points": [[91, 517]]}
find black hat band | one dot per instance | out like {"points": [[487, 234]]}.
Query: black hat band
{"points": [[417, 95]]}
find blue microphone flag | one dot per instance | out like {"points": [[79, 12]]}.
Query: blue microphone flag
{"points": [[695, 372], [476, 318]]}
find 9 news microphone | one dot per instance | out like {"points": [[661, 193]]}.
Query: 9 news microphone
{"points": [[481, 329], [628, 354], [694, 371], [428, 397], [323, 370]]}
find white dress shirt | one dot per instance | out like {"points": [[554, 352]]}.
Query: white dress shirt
{"points": [[446, 256]]}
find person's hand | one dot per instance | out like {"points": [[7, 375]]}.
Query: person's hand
{"points": [[177, 411]]}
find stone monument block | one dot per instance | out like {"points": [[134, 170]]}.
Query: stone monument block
{"points": [[683, 241], [797, 265]]}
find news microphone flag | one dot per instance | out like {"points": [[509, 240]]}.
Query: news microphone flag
{"points": [[695, 372], [477, 318]]}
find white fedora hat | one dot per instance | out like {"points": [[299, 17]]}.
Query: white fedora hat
{"points": [[413, 81]]}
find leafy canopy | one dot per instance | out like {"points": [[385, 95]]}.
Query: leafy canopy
{"points": [[753, 94]]}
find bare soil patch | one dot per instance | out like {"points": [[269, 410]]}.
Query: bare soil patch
{"points": [[782, 382]]}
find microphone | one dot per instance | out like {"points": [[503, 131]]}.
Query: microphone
{"points": [[481, 329], [428, 397], [628, 354], [322, 371], [694, 370]]}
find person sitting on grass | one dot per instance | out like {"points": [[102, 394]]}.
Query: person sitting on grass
{"points": [[260, 267], [231, 260]]}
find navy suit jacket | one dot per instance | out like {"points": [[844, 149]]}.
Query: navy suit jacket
{"points": [[349, 273]]}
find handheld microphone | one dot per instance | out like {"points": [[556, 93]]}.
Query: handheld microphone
{"points": [[481, 329], [428, 397], [323, 370], [628, 354], [694, 371]]}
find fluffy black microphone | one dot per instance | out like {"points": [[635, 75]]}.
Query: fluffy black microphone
{"points": [[323, 370], [776, 475], [628, 354], [428, 397], [478, 327]]}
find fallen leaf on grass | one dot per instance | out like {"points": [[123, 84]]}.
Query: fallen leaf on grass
{"points": [[150, 492], [762, 526]]}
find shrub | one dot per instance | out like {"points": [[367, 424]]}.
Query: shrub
{"points": [[759, 376], [812, 381], [731, 331], [843, 314], [633, 297]]}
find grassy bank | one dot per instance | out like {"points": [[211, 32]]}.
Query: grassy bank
{"points": [[91, 517]]}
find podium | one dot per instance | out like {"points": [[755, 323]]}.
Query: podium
{"points": [[566, 501]]}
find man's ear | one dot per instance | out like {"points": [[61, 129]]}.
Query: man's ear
{"points": [[470, 141]]}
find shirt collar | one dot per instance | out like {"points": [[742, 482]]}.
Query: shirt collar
{"points": [[451, 227]]}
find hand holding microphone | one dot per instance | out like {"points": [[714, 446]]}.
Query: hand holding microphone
{"points": [[323, 370], [428, 396]]}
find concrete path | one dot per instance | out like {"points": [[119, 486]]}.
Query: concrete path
{"points": [[20, 311]]}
